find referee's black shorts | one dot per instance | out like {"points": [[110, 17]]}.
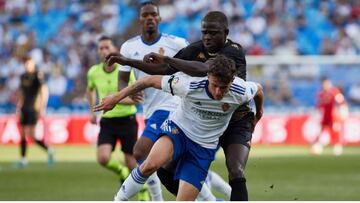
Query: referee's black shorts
{"points": [[28, 117], [238, 132], [123, 128]]}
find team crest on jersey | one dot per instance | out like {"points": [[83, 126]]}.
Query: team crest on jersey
{"points": [[201, 55], [225, 107], [161, 51], [174, 131]]}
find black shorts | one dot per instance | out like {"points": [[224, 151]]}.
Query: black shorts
{"points": [[123, 128], [28, 117], [238, 132]]}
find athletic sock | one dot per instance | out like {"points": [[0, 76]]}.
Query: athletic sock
{"points": [[238, 190], [205, 194], [23, 146], [154, 187], [131, 186], [217, 183], [118, 168], [41, 144]]}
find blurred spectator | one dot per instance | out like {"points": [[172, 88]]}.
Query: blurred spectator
{"points": [[4, 93], [65, 32], [354, 93]]}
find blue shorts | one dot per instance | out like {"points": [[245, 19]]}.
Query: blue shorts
{"points": [[194, 160], [153, 124]]}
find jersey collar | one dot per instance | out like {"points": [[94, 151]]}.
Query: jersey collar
{"points": [[151, 43]]}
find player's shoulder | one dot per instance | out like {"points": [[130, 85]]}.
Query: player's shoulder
{"points": [[133, 40], [93, 69], [172, 39], [196, 45], [238, 86], [233, 47]]}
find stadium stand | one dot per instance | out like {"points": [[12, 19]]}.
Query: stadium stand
{"points": [[61, 37]]}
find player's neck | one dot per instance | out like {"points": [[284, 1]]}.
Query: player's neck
{"points": [[149, 38], [108, 69]]}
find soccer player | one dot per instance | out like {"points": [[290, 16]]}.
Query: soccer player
{"points": [[157, 104], [191, 134], [31, 105], [117, 124], [236, 141], [328, 99]]}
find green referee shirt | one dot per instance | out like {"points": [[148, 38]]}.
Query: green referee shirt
{"points": [[107, 83]]}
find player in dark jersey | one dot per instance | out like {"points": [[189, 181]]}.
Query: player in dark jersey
{"points": [[236, 140], [31, 105]]}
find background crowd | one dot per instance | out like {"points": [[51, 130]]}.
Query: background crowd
{"points": [[61, 36]]}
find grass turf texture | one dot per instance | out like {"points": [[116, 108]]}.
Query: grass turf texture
{"points": [[273, 173]]}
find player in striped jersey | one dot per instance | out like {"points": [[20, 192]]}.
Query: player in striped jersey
{"points": [[191, 134]]}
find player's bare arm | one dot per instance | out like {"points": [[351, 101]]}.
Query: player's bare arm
{"points": [[91, 96], [192, 68], [149, 68], [259, 101], [110, 101], [19, 102], [44, 97]]}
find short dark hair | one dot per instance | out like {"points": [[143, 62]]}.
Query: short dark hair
{"points": [[144, 3], [222, 68], [104, 37], [216, 16]]}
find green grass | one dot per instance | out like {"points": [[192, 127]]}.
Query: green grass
{"points": [[273, 173]]}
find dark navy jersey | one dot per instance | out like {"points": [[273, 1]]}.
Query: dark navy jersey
{"points": [[196, 52], [30, 87]]}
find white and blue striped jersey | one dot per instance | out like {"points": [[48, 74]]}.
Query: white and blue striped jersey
{"points": [[137, 48], [200, 117]]}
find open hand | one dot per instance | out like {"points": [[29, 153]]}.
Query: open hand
{"points": [[106, 104], [114, 58], [153, 58], [137, 97]]}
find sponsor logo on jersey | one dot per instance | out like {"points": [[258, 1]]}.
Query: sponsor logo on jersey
{"points": [[225, 107]]}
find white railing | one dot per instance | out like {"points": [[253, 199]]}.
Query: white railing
{"points": [[295, 59]]}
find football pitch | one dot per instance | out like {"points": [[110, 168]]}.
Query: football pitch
{"points": [[273, 173]]}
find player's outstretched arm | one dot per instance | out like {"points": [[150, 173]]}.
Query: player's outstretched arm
{"points": [[259, 101], [110, 101], [192, 68], [149, 68]]}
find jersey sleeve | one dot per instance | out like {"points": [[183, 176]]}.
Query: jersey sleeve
{"points": [[181, 43], [124, 51], [186, 53], [40, 76], [176, 84], [236, 53], [251, 89], [243, 91], [90, 80]]}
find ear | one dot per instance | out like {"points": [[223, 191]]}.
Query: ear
{"points": [[226, 31]]}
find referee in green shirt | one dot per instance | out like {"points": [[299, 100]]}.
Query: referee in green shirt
{"points": [[119, 123]]}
